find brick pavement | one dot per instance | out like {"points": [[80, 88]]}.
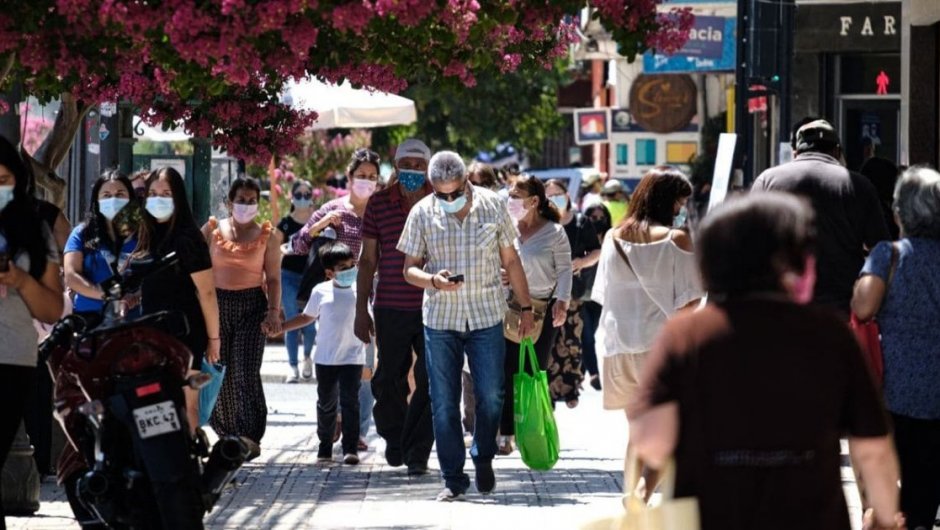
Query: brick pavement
{"points": [[286, 489]]}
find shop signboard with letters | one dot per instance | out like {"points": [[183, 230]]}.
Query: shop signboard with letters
{"points": [[710, 48], [834, 28]]}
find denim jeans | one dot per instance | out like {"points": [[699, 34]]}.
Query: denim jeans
{"points": [[290, 285], [366, 400], [591, 315], [444, 354]]}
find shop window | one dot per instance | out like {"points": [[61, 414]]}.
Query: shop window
{"points": [[680, 152], [646, 152], [623, 158]]}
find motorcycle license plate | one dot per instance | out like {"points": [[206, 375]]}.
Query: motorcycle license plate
{"points": [[157, 419]]}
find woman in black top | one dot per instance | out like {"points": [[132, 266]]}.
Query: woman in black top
{"points": [[564, 369], [292, 271], [591, 310], [189, 286]]}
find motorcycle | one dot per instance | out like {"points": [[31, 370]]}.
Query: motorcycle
{"points": [[119, 397]]}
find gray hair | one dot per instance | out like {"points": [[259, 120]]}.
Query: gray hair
{"points": [[446, 166], [917, 202]]}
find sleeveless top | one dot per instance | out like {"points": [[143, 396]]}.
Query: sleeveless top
{"points": [[238, 266]]}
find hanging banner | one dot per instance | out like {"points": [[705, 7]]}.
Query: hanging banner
{"points": [[710, 48]]}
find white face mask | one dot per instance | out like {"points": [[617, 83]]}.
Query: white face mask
{"points": [[6, 196], [161, 208], [517, 209], [244, 213], [110, 207], [363, 188]]}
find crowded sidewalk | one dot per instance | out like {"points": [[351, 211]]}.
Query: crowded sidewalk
{"points": [[286, 489]]}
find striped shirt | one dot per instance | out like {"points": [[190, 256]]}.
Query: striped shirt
{"points": [[384, 221], [349, 231], [470, 248]]}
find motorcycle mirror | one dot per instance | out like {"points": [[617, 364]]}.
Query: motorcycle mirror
{"points": [[92, 408], [198, 381]]}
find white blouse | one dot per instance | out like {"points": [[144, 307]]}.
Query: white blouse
{"points": [[631, 318]]}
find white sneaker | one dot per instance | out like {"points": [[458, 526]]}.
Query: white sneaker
{"points": [[308, 368], [293, 376], [446, 495]]}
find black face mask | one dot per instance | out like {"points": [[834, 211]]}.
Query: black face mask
{"points": [[601, 226]]}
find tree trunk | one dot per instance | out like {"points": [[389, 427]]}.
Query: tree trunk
{"points": [[55, 148]]}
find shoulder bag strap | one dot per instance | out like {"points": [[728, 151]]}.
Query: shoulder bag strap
{"points": [[623, 254]]}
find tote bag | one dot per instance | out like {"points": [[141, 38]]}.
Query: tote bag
{"points": [[210, 393], [536, 432]]}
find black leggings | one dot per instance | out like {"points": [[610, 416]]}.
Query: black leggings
{"points": [[918, 446], [543, 349], [16, 384]]}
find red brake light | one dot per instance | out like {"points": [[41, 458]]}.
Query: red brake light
{"points": [[146, 390]]}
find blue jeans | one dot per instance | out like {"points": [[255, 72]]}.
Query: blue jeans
{"points": [[290, 286], [486, 352], [366, 399]]}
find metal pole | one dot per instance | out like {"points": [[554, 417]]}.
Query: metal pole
{"points": [[743, 119], [786, 68]]}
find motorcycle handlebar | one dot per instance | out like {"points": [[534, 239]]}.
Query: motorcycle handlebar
{"points": [[61, 335], [120, 284]]}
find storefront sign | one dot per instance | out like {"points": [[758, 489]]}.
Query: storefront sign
{"points": [[710, 48], [663, 103], [833, 28]]}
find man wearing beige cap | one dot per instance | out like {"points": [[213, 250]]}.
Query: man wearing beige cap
{"points": [[398, 327], [848, 214]]}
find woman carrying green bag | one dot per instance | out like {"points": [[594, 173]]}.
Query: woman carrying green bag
{"points": [[543, 247], [536, 432]]}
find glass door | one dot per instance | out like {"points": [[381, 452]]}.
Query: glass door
{"points": [[869, 127]]}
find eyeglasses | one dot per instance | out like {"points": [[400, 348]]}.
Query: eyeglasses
{"points": [[452, 196], [301, 196]]}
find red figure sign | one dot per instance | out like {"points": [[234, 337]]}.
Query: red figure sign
{"points": [[882, 81]]}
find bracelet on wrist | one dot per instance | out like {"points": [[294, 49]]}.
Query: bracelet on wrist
{"points": [[215, 338], [525, 308], [432, 283]]}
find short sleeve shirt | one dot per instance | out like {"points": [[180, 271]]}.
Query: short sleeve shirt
{"points": [[384, 221], [98, 263], [349, 232], [910, 336], [765, 389], [335, 308], [16, 322], [472, 248]]}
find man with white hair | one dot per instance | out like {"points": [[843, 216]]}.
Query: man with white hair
{"points": [[455, 241], [398, 328]]}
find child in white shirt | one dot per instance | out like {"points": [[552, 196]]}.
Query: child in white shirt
{"points": [[339, 356]]}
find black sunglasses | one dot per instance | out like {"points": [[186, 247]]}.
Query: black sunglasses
{"points": [[300, 196], [452, 196]]}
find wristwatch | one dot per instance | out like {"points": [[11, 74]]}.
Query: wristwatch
{"points": [[525, 308]]}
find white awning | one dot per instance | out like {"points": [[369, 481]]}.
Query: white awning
{"points": [[344, 106]]}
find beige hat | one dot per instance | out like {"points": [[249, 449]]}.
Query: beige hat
{"points": [[412, 148], [612, 186]]}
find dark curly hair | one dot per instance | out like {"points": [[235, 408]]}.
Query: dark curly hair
{"points": [[127, 222]]}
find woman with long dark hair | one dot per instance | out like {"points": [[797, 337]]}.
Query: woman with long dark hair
{"points": [[546, 258], [292, 272], [246, 265], [189, 286], [646, 273], [564, 368], [104, 244], [29, 288], [591, 310]]}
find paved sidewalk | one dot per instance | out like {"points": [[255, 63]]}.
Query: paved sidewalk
{"points": [[286, 489]]}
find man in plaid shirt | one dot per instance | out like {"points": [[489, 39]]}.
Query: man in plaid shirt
{"points": [[455, 241]]}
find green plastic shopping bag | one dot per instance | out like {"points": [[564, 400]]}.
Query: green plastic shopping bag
{"points": [[536, 432]]}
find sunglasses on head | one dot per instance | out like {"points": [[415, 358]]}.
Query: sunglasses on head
{"points": [[449, 197], [301, 196]]}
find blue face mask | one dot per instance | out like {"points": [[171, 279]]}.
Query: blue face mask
{"points": [[560, 202], [680, 219], [6, 196], [110, 207], [303, 203], [347, 277], [453, 206], [161, 208], [411, 180]]}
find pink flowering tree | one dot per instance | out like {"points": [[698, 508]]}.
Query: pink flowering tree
{"points": [[219, 66]]}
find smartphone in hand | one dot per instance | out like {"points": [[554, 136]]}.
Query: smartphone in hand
{"points": [[455, 278]]}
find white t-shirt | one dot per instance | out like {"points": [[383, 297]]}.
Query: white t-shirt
{"points": [[335, 308], [630, 317]]}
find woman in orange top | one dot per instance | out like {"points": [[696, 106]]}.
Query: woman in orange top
{"points": [[246, 264]]}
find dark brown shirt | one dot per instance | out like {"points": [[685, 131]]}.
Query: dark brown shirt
{"points": [[765, 390]]}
